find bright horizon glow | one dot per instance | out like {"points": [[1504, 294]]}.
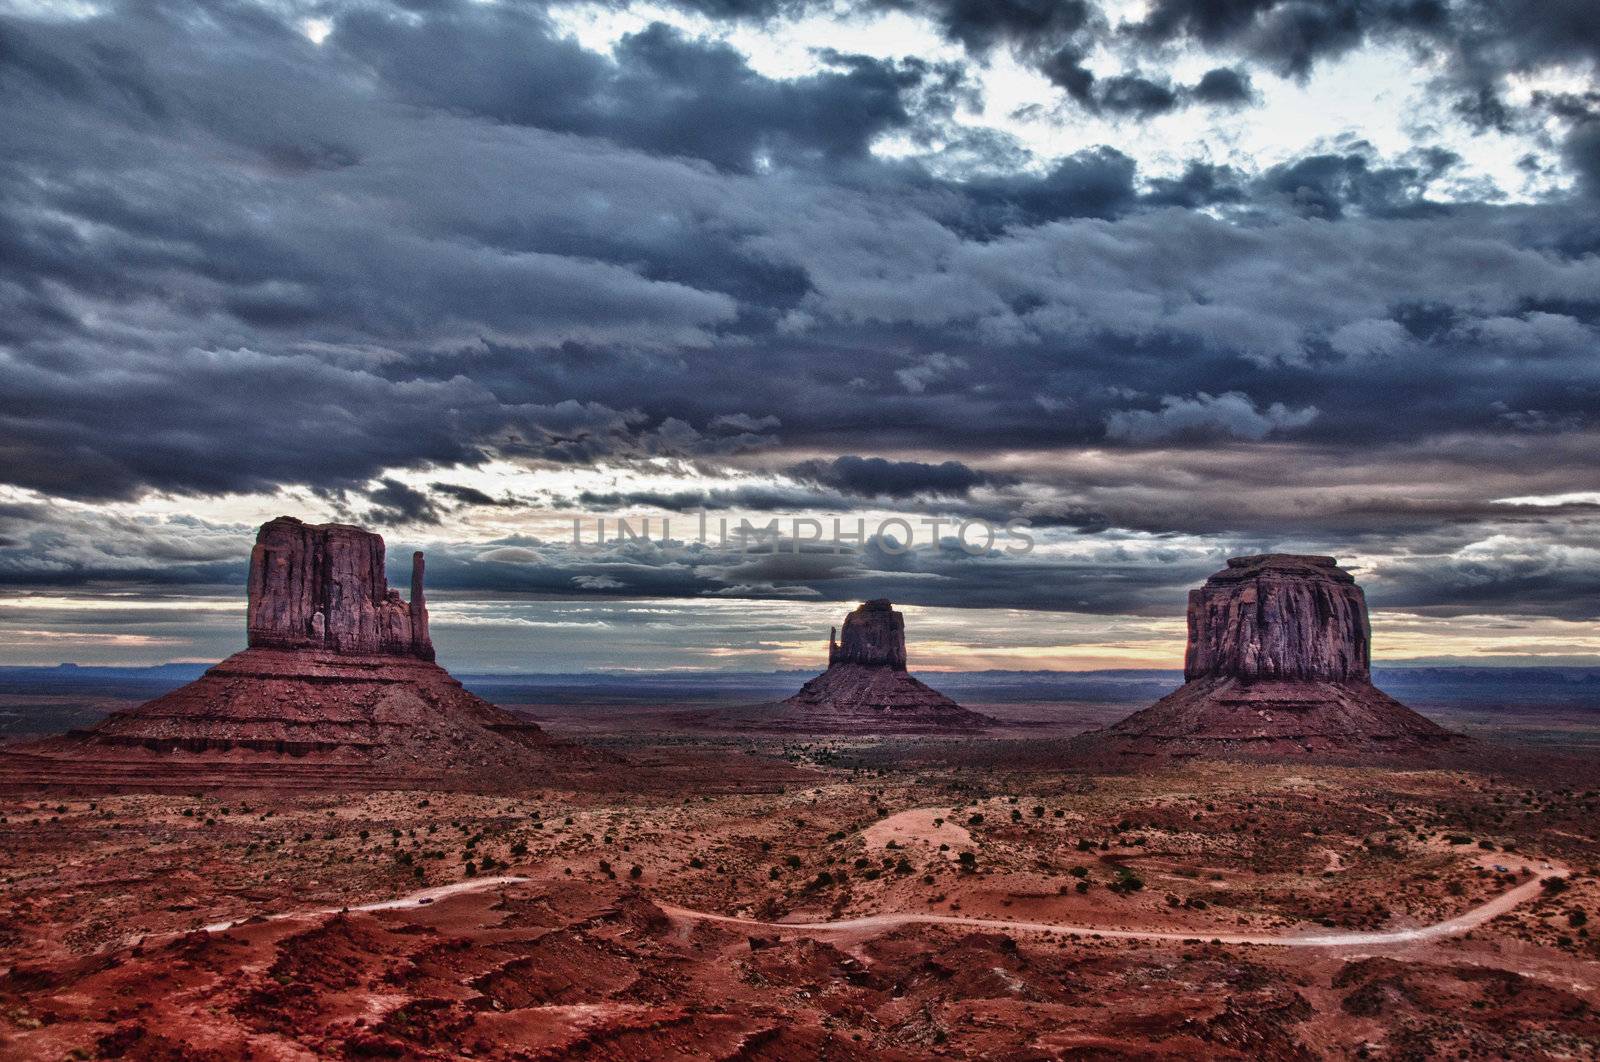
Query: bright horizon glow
{"points": [[480, 635]]}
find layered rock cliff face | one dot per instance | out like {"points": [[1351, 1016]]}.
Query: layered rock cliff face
{"points": [[337, 688], [1279, 615], [874, 634], [866, 688], [323, 586], [1278, 664]]}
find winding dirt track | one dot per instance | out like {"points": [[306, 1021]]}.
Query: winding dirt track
{"points": [[415, 899], [869, 924], [878, 922]]}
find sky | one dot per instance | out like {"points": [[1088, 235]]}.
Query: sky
{"points": [[1168, 281]]}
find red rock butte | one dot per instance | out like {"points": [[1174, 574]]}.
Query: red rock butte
{"points": [[866, 688], [338, 686], [323, 586], [1278, 663]]}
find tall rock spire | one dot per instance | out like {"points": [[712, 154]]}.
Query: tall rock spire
{"points": [[421, 643]]}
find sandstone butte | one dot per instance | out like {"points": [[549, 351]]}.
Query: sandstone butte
{"points": [[866, 688], [1278, 663], [337, 685]]}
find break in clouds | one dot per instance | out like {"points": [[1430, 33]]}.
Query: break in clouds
{"points": [[449, 269]]}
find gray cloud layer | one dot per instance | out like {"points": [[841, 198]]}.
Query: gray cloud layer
{"points": [[234, 260]]}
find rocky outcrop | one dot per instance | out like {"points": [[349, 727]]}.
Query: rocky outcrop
{"points": [[866, 688], [1278, 664], [323, 586], [313, 702], [874, 635], [338, 687], [1279, 616]]}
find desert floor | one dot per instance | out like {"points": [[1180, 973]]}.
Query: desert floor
{"points": [[748, 896]]}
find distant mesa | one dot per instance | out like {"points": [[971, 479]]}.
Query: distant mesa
{"points": [[866, 688], [1278, 663], [338, 686]]}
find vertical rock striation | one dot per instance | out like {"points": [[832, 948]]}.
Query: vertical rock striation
{"points": [[1278, 663], [323, 586], [1279, 615], [874, 635]]}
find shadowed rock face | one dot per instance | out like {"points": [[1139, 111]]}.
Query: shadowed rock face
{"points": [[874, 635], [1279, 615], [323, 586], [1278, 664]]}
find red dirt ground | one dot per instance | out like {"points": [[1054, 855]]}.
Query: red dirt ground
{"points": [[104, 900]]}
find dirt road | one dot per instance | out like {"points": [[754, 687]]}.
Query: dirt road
{"points": [[869, 924], [1450, 927]]}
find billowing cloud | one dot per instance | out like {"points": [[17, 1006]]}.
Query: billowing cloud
{"points": [[1230, 415]]}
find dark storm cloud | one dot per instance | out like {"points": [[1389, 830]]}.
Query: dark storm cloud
{"points": [[1132, 94], [661, 91], [392, 502], [1539, 579], [1224, 87], [1098, 183], [464, 495], [234, 260], [1535, 560], [751, 498], [1201, 184], [58, 546], [981, 24], [877, 477], [1289, 35], [1109, 580], [1327, 185], [1481, 42]]}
